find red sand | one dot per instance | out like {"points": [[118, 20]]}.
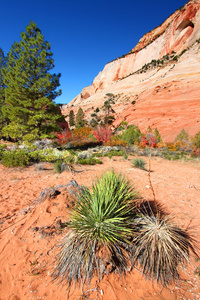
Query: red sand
{"points": [[28, 238]]}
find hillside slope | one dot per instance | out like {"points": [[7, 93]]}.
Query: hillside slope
{"points": [[165, 90]]}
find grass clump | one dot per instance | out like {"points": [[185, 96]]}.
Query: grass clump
{"points": [[139, 163], [160, 246], [100, 230]]}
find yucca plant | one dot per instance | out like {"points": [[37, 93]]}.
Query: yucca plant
{"points": [[58, 166], [160, 246], [139, 163], [100, 231]]}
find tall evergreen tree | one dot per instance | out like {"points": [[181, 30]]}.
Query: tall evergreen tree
{"points": [[31, 88], [71, 118], [2, 90], [80, 118], [107, 107]]}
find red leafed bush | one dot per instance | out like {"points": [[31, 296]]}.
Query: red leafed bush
{"points": [[148, 140], [64, 137], [102, 133]]}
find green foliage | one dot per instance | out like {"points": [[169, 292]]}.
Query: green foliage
{"points": [[183, 136], [170, 155], [31, 88], [89, 161], [100, 230], [80, 118], [131, 135], [58, 166], [139, 163], [71, 118], [157, 135], [2, 91], [107, 108], [196, 140], [15, 158], [2, 150]]}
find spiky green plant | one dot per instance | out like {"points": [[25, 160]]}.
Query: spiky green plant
{"points": [[139, 163], [160, 247], [100, 231], [58, 166]]}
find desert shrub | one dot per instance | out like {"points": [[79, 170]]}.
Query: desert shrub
{"points": [[15, 158], [112, 153], [100, 230], [41, 144], [89, 161], [172, 146], [102, 133], [174, 155], [58, 166], [116, 141], [196, 140], [84, 154], [2, 150], [196, 152], [131, 135], [160, 246], [139, 163], [3, 147], [81, 132], [149, 140], [63, 137]]}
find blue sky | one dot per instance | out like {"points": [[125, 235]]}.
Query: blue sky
{"points": [[84, 34]]}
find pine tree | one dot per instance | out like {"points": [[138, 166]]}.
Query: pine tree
{"points": [[2, 90], [31, 88], [71, 118], [107, 107], [80, 118]]}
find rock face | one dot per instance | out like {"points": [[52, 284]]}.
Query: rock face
{"points": [[166, 94]]}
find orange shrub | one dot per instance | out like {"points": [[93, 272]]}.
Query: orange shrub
{"points": [[82, 132], [114, 141]]}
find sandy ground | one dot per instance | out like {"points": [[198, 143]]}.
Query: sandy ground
{"points": [[30, 231]]}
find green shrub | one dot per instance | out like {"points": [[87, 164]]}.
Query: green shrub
{"points": [[139, 163], [112, 153], [15, 158], [131, 135], [89, 161], [58, 166], [100, 230], [2, 150], [196, 140]]}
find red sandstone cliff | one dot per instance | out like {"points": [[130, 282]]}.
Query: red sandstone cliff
{"points": [[166, 96]]}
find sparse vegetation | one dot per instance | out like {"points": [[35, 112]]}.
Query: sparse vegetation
{"points": [[139, 163], [89, 161], [109, 232]]}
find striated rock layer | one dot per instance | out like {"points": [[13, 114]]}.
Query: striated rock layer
{"points": [[166, 95]]}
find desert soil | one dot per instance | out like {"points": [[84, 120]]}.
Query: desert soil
{"points": [[29, 230]]}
